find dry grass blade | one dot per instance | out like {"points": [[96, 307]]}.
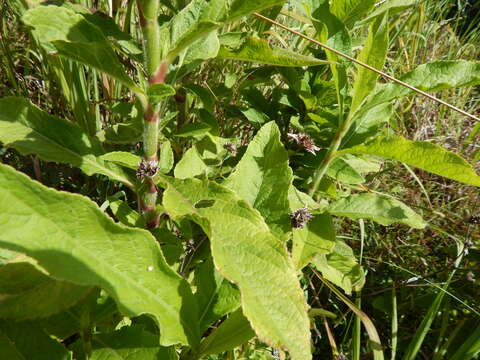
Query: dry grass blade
{"points": [[385, 75], [367, 322]]}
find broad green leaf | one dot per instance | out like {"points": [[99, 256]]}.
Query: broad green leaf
{"points": [[390, 6], [374, 53], [341, 267], [433, 76], [123, 158], [350, 11], [262, 178], [246, 252], [252, 49], [201, 17], [130, 343], [27, 340], [29, 130], [74, 37], [369, 124], [22, 285], [99, 55], [316, 237], [215, 295], [421, 154], [255, 117], [203, 49], [381, 209], [233, 332], [190, 165], [72, 239], [201, 159], [52, 23], [342, 171], [166, 160], [351, 169]]}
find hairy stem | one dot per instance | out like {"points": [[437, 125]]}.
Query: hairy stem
{"points": [[156, 70]]}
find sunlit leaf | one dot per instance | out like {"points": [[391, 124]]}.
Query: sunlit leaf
{"points": [[381, 209], [421, 154], [247, 253], [262, 178], [71, 238]]}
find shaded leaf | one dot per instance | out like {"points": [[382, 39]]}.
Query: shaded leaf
{"points": [[73, 240], [381, 209], [421, 154], [165, 162], [27, 340], [248, 48], [125, 214], [157, 92], [391, 6], [130, 343], [29, 130], [233, 332], [215, 295], [22, 285]]}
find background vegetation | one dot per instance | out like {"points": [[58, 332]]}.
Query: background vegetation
{"points": [[406, 269]]}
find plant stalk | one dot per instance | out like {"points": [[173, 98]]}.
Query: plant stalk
{"points": [[331, 153], [156, 70]]}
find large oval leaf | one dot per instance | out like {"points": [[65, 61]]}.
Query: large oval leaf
{"points": [[248, 48], [201, 17], [62, 30], [421, 154], [433, 76], [262, 178], [382, 209], [30, 130], [246, 252], [75, 241]]}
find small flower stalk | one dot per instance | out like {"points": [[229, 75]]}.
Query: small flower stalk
{"points": [[305, 142], [300, 217]]}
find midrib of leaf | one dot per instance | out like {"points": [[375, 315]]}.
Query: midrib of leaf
{"points": [[84, 159], [82, 250]]}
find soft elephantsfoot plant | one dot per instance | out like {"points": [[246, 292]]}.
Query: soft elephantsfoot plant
{"points": [[213, 256]]}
